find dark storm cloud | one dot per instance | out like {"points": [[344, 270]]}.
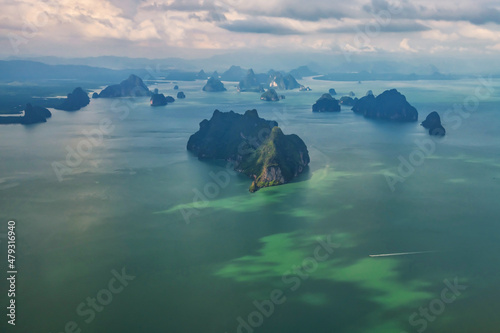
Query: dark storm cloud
{"points": [[259, 27]]}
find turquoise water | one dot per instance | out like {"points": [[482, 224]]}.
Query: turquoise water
{"points": [[122, 206]]}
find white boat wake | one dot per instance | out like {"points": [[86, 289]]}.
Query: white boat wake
{"points": [[399, 254]]}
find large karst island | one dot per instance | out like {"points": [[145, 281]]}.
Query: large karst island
{"points": [[390, 105], [256, 147], [75, 100], [32, 115], [131, 87]]}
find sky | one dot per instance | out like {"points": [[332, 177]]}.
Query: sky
{"points": [[197, 28]]}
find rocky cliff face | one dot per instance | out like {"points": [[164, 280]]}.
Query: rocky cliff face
{"points": [[390, 105], [256, 146], [131, 87], [270, 96], [277, 161]]}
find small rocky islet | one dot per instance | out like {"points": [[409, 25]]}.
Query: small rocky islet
{"points": [[326, 103], [214, 84], [433, 123]]}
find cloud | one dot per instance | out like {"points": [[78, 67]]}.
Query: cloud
{"points": [[406, 46], [211, 16], [477, 12], [259, 27], [373, 27]]}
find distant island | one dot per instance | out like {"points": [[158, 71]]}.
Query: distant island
{"points": [[32, 115], [234, 137], [302, 72], [202, 75], [270, 96], [234, 74], [131, 87], [326, 103], [75, 100], [181, 95], [280, 82], [214, 85], [390, 105], [433, 124], [250, 83], [348, 101]]}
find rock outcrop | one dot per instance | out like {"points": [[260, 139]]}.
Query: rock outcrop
{"points": [[347, 101], [250, 83], [181, 95], [75, 100], [280, 82], [158, 100], [433, 124], [270, 96], [390, 105], [255, 147], [214, 85], [326, 103], [131, 87]]}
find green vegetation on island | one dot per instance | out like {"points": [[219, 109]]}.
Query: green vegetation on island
{"points": [[390, 105], [75, 100], [255, 146]]}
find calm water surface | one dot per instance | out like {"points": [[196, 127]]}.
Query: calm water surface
{"points": [[122, 206]]}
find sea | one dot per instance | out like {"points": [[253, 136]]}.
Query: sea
{"points": [[118, 228]]}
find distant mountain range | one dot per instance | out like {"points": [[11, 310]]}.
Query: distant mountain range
{"points": [[28, 70]]}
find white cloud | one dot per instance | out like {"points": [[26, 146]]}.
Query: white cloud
{"points": [[406, 46], [158, 26]]}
